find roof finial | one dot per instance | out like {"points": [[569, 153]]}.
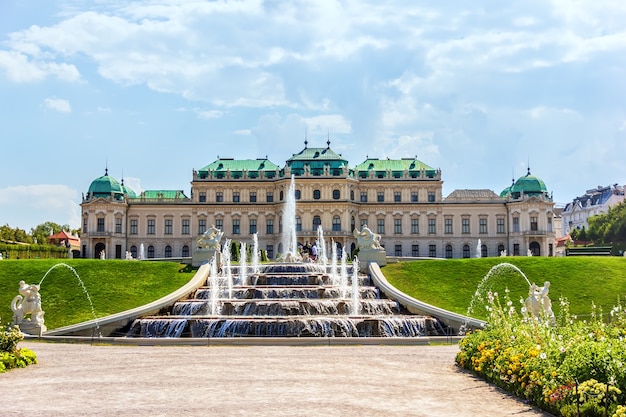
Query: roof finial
{"points": [[328, 141], [306, 138], [106, 166]]}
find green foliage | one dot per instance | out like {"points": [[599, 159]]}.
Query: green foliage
{"points": [[234, 251], [10, 356], [14, 234], [609, 227], [563, 368], [113, 286], [451, 283]]}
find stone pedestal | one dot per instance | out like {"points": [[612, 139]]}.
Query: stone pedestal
{"points": [[205, 255], [371, 255], [32, 328]]}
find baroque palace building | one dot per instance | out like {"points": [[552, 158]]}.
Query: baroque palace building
{"points": [[400, 199]]}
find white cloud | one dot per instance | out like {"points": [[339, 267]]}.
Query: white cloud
{"points": [[209, 114], [20, 69], [328, 124], [27, 206], [57, 104]]}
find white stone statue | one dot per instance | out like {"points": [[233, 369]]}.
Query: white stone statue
{"points": [[28, 303], [366, 239], [538, 302], [210, 239], [129, 256]]}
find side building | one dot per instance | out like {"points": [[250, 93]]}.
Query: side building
{"points": [[595, 201], [400, 199]]}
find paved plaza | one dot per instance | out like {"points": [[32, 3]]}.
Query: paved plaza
{"points": [[87, 380]]}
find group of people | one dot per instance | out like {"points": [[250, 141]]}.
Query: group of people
{"points": [[310, 251]]}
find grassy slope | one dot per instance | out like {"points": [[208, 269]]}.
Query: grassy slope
{"points": [[119, 285], [451, 283], [113, 285]]}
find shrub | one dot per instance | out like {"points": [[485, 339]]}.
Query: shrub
{"points": [[569, 368], [10, 355]]}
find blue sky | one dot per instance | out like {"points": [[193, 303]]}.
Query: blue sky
{"points": [[155, 89]]}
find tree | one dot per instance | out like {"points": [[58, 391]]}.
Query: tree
{"points": [[43, 231], [609, 227]]}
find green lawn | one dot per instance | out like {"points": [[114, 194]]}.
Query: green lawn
{"points": [[113, 286], [451, 283], [118, 285]]}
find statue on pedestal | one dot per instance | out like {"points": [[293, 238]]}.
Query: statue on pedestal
{"points": [[538, 303], [369, 247], [207, 246], [210, 239], [366, 239], [28, 303]]}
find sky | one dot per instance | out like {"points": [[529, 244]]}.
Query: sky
{"points": [[152, 90]]}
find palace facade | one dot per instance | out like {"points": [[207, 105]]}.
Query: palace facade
{"points": [[400, 199]]}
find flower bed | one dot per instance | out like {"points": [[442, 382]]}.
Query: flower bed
{"points": [[10, 355], [569, 368]]}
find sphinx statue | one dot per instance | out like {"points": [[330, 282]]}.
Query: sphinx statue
{"points": [[27, 312], [366, 239], [210, 239]]}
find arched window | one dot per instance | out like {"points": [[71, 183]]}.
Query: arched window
{"points": [[483, 251], [297, 193], [168, 251], [448, 251], [133, 251], [336, 224], [298, 224], [316, 194], [185, 251], [317, 222], [281, 195], [466, 251], [150, 251], [501, 249]]}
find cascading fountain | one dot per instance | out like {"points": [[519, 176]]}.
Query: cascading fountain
{"points": [[290, 299]]}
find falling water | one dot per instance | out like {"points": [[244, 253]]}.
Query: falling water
{"points": [[492, 272], [333, 264], [255, 254], [479, 252], [356, 301], [226, 267], [289, 239], [215, 287], [243, 264], [82, 286], [321, 244], [142, 253], [343, 281]]}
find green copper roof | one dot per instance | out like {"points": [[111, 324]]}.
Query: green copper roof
{"points": [[163, 194], [105, 186], [236, 167], [526, 185], [397, 167], [315, 160]]}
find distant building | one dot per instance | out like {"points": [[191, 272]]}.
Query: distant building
{"points": [[595, 201], [400, 199], [71, 242]]}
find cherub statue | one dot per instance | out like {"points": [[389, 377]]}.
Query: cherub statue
{"points": [[27, 302], [538, 302]]}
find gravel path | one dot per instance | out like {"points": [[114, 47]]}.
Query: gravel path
{"points": [[85, 380]]}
